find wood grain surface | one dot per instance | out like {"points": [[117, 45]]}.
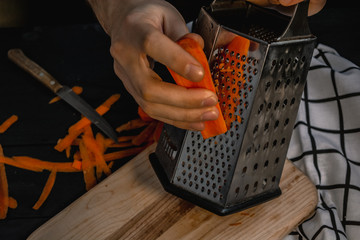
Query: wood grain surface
{"points": [[131, 204]]}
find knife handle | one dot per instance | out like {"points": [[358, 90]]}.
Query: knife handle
{"points": [[18, 57]]}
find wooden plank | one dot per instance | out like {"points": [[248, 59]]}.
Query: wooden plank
{"points": [[131, 204]]}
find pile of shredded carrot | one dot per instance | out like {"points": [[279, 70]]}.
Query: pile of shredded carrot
{"points": [[89, 153]]}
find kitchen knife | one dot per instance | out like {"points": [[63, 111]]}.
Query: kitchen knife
{"points": [[64, 92]]}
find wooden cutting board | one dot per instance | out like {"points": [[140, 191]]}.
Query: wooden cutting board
{"points": [[131, 204]]}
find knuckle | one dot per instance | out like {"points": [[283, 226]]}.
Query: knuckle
{"points": [[116, 48], [149, 39], [147, 92], [148, 109]]}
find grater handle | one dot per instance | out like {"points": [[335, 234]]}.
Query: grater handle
{"points": [[298, 26]]}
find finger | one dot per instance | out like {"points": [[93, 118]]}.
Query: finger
{"points": [[164, 111], [315, 6], [195, 126], [195, 37], [161, 48], [287, 3], [155, 90], [125, 79], [270, 3], [147, 87], [174, 25], [192, 120]]}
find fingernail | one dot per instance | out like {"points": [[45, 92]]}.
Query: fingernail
{"points": [[194, 72], [210, 101], [210, 115]]}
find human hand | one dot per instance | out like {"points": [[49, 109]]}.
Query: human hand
{"points": [[143, 30], [284, 6]]}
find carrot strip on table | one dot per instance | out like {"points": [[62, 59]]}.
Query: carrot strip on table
{"points": [[12, 203], [93, 147], [101, 141], [67, 140], [87, 167], [125, 138], [144, 116], [76, 89], [4, 189], [46, 190], [131, 125], [76, 129], [8, 122], [77, 161], [12, 162], [123, 153], [68, 151], [4, 192], [107, 142], [121, 145], [38, 165], [144, 134]]}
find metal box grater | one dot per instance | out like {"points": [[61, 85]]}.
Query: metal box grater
{"points": [[259, 61]]}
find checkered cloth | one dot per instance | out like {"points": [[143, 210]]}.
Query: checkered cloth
{"points": [[326, 146]]}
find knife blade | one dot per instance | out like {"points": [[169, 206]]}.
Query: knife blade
{"points": [[64, 92]]}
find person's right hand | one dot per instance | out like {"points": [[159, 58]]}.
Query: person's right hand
{"points": [[145, 30], [142, 30], [284, 6]]}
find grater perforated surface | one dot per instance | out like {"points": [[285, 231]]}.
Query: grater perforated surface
{"points": [[259, 80]]}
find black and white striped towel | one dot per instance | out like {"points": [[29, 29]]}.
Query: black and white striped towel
{"points": [[326, 146]]}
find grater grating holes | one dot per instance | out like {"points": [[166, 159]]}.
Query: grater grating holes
{"points": [[233, 73], [262, 33]]}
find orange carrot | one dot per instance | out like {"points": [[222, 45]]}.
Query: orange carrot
{"points": [[106, 141], [76, 129], [228, 91], [46, 190], [111, 164], [12, 203], [87, 167], [77, 164], [215, 127], [100, 140], [126, 138], [67, 140], [123, 153], [102, 109], [132, 124], [76, 89], [93, 147], [123, 141], [121, 145], [4, 189], [38, 165], [12, 162], [77, 161], [144, 116], [144, 134], [67, 151], [7, 123]]}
